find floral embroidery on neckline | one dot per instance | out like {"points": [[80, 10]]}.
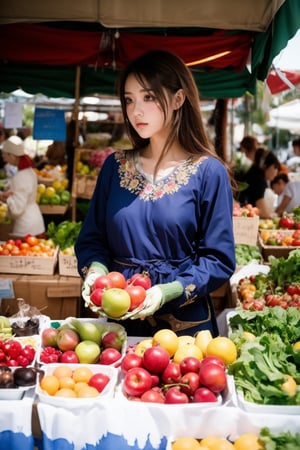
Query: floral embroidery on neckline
{"points": [[134, 181]]}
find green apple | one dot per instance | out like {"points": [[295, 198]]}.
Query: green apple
{"points": [[87, 352], [115, 302]]}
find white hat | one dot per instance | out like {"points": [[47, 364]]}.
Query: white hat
{"points": [[14, 145]]}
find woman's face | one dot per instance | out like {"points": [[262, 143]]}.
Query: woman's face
{"points": [[271, 172], [278, 188], [144, 111]]}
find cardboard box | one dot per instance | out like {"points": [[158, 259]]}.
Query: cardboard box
{"points": [[67, 265], [55, 296], [26, 265], [245, 230], [53, 209]]}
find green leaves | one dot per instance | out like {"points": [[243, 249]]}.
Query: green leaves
{"points": [[64, 234]]}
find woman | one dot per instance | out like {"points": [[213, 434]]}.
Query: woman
{"points": [[265, 167], [21, 195], [165, 206], [288, 193]]}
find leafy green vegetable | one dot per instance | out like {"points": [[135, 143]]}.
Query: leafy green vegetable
{"points": [[285, 440], [64, 234], [284, 271], [244, 254]]}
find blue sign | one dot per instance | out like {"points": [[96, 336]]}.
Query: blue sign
{"points": [[49, 124]]}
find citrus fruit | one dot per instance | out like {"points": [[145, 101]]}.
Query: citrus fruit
{"points": [[50, 384], [186, 443], [65, 392], [249, 336], [247, 441], [187, 350], [66, 382], [296, 346], [215, 443], [167, 339], [62, 371], [41, 188], [202, 339], [87, 392], [82, 374], [185, 339], [50, 191], [142, 346], [222, 347], [79, 385]]}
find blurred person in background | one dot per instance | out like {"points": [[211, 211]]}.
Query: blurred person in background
{"points": [[54, 156], [288, 193], [293, 163], [20, 196], [264, 168]]}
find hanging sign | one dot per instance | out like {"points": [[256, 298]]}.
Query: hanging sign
{"points": [[49, 124], [13, 115]]}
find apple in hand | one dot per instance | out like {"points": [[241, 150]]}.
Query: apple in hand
{"points": [[156, 359], [99, 381], [137, 381], [102, 282], [115, 302], [137, 295], [96, 296]]}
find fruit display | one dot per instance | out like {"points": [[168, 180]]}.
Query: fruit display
{"points": [[91, 161], [280, 238], [15, 352], [75, 381], [28, 246], [245, 211], [54, 194], [171, 370], [279, 287], [113, 296], [83, 342], [288, 221]]}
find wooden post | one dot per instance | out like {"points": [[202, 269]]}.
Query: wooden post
{"points": [[75, 142]]}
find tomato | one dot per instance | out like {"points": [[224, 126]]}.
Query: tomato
{"points": [[118, 279], [286, 222], [137, 295], [296, 242], [31, 240], [140, 279]]}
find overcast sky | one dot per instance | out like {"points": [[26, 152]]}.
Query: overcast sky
{"points": [[289, 57]]}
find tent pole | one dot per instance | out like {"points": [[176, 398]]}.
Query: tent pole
{"points": [[76, 137]]}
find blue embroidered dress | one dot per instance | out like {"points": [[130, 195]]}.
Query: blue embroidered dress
{"points": [[179, 227]]}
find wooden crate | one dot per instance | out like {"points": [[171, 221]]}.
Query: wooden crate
{"points": [[27, 265], [83, 186], [67, 265], [275, 250], [53, 209], [245, 230]]}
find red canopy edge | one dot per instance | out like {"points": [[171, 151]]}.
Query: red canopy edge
{"points": [[41, 44], [282, 80]]}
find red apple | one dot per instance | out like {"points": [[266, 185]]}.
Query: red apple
{"points": [[213, 377], [212, 360], [141, 279], [96, 296], [99, 381], [203, 394], [49, 337], [118, 279], [103, 282], [153, 396], [190, 364], [112, 339], [171, 374], [69, 357], [137, 295], [175, 395], [109, 356], [191, 379], [131, 360], [67, 339], [156, 359], [137, 381]]}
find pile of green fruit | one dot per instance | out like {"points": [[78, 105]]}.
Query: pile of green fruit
{"points": [[5, 329]]}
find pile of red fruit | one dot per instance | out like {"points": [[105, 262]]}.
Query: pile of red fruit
{"points": [[154, 377], [13, 353], [116, 296]]}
